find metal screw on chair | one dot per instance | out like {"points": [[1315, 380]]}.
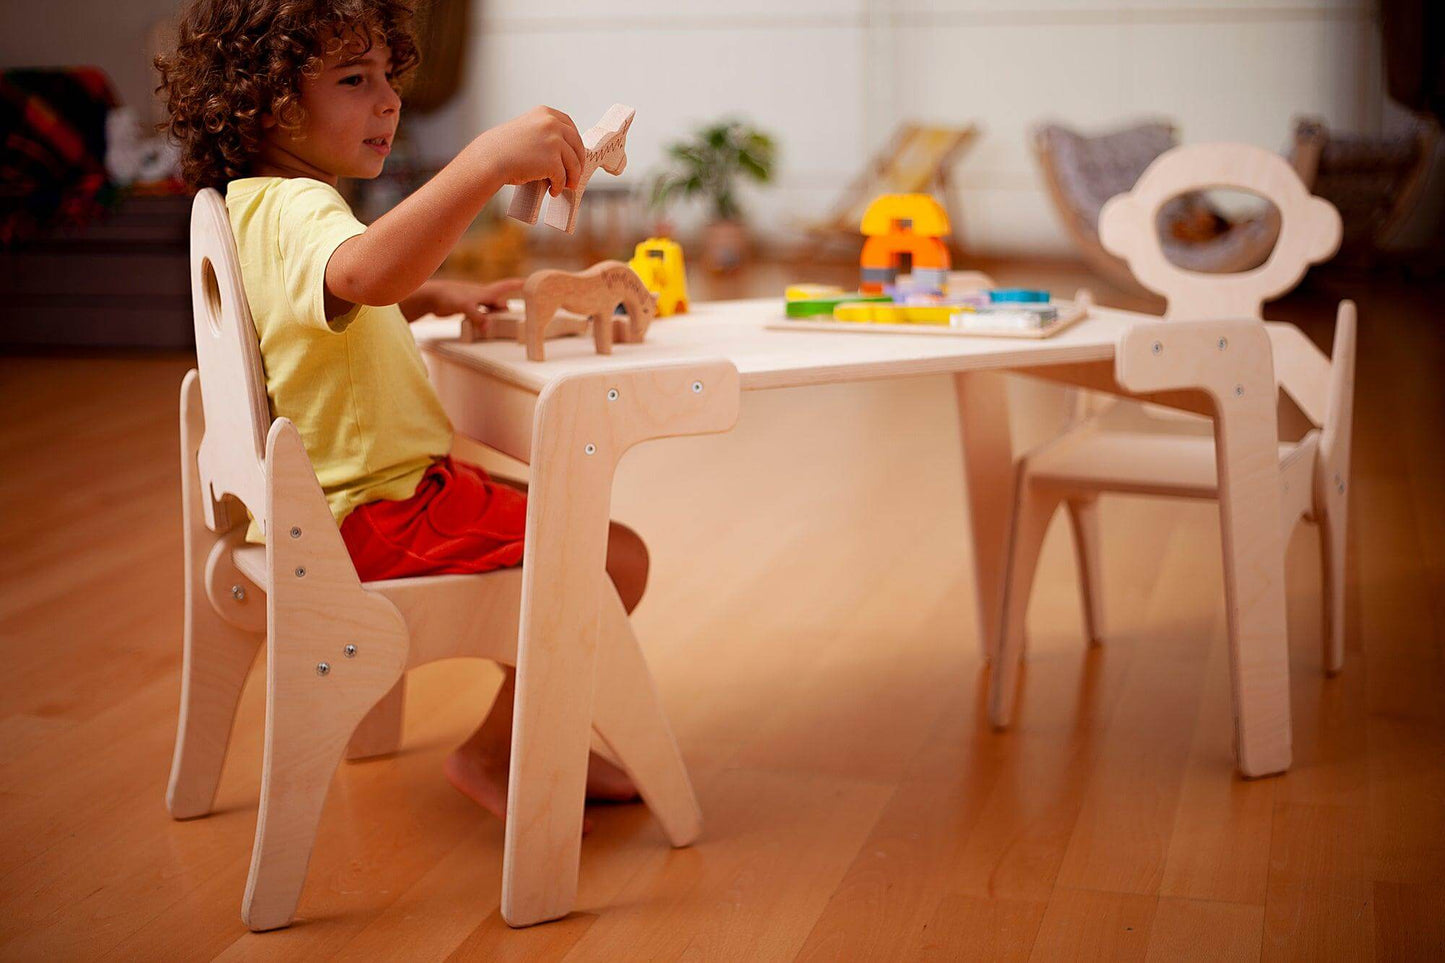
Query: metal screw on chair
{"points": [[697, 387], [611, 394], [300, 571], [591, 449], [1158, 348], [238, 592], [350, 651], [1239, 391], [295, 532], [1223, 343], [1339, 484], [323, 667]]}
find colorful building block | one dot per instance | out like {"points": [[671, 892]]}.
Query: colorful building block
{"points": [[894, 313], [1018, 296], [824, 307], [898, 224], [804, 292], [658, 261]]}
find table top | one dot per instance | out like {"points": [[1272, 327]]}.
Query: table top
{"points": [[735, 331]]}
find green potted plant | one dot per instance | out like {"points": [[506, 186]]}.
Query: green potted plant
{"points": [[709, 166]]}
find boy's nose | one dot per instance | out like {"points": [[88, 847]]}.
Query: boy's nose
{"points": [[389, 104]]}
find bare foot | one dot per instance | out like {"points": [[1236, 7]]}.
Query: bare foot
{"points": [[482, 778]]}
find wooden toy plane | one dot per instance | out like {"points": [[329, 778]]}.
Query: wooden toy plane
{"points": [[606, 145]]}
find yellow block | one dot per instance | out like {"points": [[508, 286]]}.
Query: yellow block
{"points": [[895, 313], [806, 292], [658, 261]]}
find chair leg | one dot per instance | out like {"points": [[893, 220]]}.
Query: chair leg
{"points": [[1084, 516], [309, 718], [1332, 523], [1033, 509], [628, 716], [989, 474], [218, 652], [380, 732], [217, 658]]}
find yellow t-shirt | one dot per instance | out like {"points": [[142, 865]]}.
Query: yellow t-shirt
{"points": [[356, 388]]}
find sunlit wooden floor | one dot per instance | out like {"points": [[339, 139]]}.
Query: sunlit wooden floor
{"points": [[811, 631]]}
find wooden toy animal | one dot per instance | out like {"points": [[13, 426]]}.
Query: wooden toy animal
{"points": [[511, 325], [595, 294], [606, 144]]}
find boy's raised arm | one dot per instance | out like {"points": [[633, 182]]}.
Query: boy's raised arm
{"points": [[405, 246]]}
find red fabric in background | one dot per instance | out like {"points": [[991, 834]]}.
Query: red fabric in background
{"points": [[458, 522]]}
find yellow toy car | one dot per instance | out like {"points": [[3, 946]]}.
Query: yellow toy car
{"points": [[658, 261]]}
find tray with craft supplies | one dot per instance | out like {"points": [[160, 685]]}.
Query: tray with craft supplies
{"points": [[986, 313]]}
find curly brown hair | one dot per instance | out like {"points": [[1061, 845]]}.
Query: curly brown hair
{"points": [[238, 60]]}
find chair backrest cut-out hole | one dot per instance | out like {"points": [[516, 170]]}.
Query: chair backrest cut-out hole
{"points": [[211, 289], [1218, 230]]}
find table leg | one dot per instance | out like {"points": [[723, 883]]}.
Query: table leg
{"points": [[988, 477], [582, 427], [563, 565]]}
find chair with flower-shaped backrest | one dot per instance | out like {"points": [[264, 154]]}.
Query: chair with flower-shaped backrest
{"points": [[1092, 455]]}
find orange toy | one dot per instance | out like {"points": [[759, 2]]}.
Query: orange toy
{"points": [[897, 224]]}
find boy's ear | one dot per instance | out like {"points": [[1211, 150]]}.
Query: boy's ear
{"points": [[268, 120]]}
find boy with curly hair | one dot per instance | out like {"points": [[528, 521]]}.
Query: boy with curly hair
{"points": [[273, 102]]}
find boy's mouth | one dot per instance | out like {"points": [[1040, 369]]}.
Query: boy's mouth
{"points": [[378, 144]]}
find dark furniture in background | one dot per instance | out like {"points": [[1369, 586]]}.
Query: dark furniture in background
{"points": [[82, 261], [121, 280]]}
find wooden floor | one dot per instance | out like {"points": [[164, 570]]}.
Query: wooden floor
{"points": [[812, 634]]}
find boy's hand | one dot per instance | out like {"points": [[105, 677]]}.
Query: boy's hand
{"points": [[445, 298], [541, 145]]}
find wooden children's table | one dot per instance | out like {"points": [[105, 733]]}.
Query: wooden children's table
{"points": [[573, 416]]}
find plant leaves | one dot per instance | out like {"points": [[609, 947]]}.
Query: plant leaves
{"points": [[710, 164]]}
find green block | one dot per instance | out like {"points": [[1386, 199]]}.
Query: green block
{"points": [[813, 307]]}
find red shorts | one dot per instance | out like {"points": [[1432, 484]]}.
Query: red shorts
{"points": [[458, 522]]}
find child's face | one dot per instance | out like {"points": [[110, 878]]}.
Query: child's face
{"points": [[351, 115]]}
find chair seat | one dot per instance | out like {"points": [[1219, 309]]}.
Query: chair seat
{"points": [[250, 560], [1152, 464]]}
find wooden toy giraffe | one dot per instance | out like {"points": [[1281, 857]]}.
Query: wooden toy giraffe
{"points": [[606, 144]]}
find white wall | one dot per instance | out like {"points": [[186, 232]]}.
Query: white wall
{"points": [[111, 34], [831, 77]]}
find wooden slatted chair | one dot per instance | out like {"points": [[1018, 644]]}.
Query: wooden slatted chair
{"points": [[918, 159], [336, 648], [1091, 457]]}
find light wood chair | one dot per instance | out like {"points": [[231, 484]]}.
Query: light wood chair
{"points": [[336, 648], [1091, 457]]}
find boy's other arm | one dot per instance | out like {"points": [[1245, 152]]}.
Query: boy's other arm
{"points": [[394, 256], [447, 297]]}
